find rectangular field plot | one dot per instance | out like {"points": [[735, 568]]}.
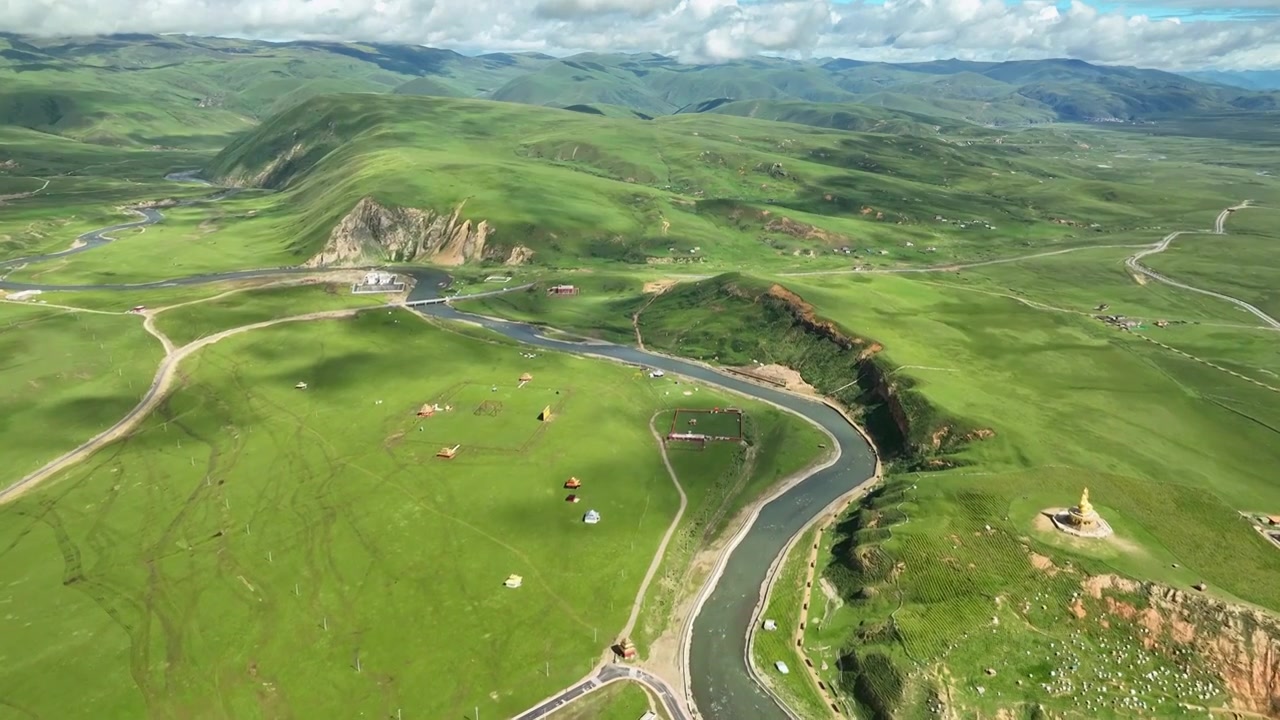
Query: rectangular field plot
{"points": [[722, 424], [489, 417]]}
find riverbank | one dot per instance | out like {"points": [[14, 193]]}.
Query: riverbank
{"points": [[802, 494]]}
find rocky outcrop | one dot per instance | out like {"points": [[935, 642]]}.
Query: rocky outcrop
{"points": [[161, 203], [274, 174], [1240, 644], [519, 256], [373, 232]]}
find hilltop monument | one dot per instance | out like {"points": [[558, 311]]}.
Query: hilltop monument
{"points": [[1081, 520]]}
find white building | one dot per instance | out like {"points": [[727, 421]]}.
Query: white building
{"points": [[782, 667], [379, 278], [591, 518]]}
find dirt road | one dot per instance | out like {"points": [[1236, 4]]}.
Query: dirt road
{"points": [[160, 386], [1134, 263]]}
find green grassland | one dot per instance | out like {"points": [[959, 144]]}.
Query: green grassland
{"points": [[189, 323], [190, 563], [602, 310], [617, 701], [1241, 264], [719, 482], [848, 116], [78, 187], [718, 190], [246, 231], [944, 601], [116, 301], [795, 688], [700, 192], [67, 376], [1072, 403], [1172, 448], [190, 91], [145, 90]]}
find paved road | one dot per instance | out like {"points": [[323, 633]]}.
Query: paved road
{"points": [[1134, 263], [604, 675]]}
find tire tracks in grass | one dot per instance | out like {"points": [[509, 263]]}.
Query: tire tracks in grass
{"points": [[661, 552], [161, 384]]}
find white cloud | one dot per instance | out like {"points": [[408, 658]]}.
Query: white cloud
{"points": [[710, 30]]}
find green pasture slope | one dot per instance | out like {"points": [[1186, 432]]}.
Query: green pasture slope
{"points": [[87, 187], [1241, 264], [697, 193], [1170, 448], [192, 322], [252, 533], [769, 646], [716, 190], [67, 376]]}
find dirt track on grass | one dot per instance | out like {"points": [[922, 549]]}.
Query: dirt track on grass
{"points": [[159, 389]]}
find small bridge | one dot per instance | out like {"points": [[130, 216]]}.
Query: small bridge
{"points": [[437, 301]]}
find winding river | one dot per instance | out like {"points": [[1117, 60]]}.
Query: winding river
{"points": [[722, 686]]}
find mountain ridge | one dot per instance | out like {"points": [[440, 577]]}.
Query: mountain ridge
{"points": [[203, 90]]}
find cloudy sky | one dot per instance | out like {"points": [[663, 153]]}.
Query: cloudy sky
{"points": [[1170, 34]]}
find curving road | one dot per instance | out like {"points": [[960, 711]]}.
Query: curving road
{"points": [[604, 675], [1134, 263]]}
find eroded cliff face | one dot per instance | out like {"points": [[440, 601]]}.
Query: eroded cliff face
{"points": [[1241, 644], [373, 232], [272, 175], [872, 379]]}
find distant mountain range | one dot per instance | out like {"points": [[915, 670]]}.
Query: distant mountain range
{"points": [[177, 89], [1247, 79]]}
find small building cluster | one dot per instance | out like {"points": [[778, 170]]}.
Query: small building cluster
{"points": [[562, 290], [377, 281]]}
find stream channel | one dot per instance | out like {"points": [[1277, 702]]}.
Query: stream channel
{"points": [[722, 686]]}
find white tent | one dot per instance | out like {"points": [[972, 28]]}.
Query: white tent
{"points": [[591, 518]]}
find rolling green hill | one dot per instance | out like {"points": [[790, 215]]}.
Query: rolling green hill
{"points": [[454, 180], [842, 116], [195, 91], [183, 91]]}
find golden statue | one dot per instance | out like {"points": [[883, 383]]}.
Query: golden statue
{"points": [[1085, 508]]}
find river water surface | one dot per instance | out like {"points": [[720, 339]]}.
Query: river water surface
{"points": [[722, 687]]}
